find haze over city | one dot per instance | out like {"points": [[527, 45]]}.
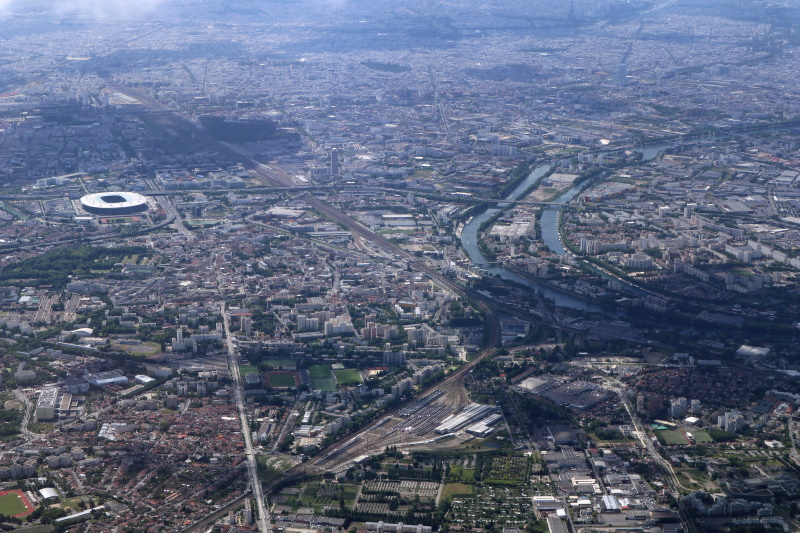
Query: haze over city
{"points": [[421, 267]]}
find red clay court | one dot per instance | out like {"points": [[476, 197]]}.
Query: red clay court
{"points": [[15, 503]]}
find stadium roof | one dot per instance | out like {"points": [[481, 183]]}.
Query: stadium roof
{"points": [[113, 200]]}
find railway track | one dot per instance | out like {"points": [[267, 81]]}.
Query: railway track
{"points": [[337, 453]]}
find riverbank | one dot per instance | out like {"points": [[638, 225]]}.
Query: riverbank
{"points": [[549, 232]]}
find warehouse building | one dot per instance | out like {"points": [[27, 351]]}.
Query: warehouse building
{"points": [[469, 415]]}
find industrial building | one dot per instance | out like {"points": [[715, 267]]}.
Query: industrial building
{"points": [[46, 406], [106, 378], [385, 527], [54, 404], [470, 414], [485, 427], [556, 525], [562, 435]]}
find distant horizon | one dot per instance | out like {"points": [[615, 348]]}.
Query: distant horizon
{"points": [[142, 10]]}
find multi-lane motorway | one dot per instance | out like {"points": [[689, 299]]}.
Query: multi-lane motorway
{"points": [[264, 524]]}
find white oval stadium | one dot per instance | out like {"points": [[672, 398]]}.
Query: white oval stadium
{"points": [[114, 203]]}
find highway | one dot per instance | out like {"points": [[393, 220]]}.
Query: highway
{"points": [[670, 476], [263, 522], [378, 433], [369, 438], [82, 239], [452, 384]]}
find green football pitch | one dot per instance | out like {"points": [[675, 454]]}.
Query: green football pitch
{"points": [[11, 504]]}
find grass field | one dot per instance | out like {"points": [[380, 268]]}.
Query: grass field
{"points": [[73, 503], [319, 371], [673, 436], [457, 490], [14, 211], [702, 436], [694, 479], [458, 472], [281, 380], [281, 362], [12, 504], [246, 369], [324, 384], [348, 376], [266, 470], [492, 443]]}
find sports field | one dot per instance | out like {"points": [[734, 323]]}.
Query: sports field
{"points": [[674, 436], [322, 378], [278, 380], [319, 371], [282, 362], [14, 503], [324, 384], [247, 369], [348, 376], [702, 436], [199, 223]]}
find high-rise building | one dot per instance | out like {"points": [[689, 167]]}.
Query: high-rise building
{"points": [[678, 407], [694, 406], [391, 358], [335, 162]]}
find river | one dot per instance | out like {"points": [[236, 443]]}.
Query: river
{"points": [[550, 237], [549, 219], [469, 240]]}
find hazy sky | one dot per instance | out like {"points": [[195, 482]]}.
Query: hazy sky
{"points": [[84, 8]]}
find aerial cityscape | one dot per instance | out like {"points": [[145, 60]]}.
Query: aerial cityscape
{"points": [[399, 267]]}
